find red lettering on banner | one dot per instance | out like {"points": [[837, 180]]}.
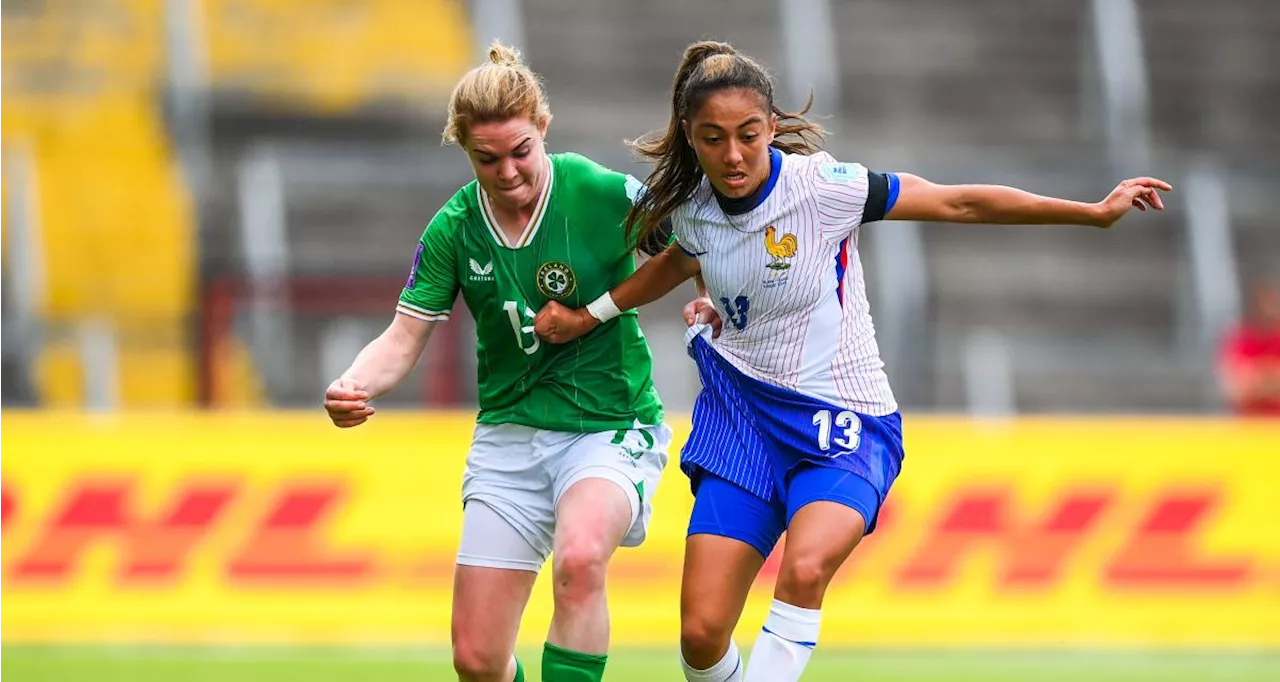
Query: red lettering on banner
{"points": [[1162, 554], [1037, 555], [100, 509], [8, 505], [1033, 554], [93, 510], [158, 549], [287, 546]]}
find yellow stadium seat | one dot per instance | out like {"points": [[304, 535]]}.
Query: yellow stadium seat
{"points": [[334, 56], [115, 223]]}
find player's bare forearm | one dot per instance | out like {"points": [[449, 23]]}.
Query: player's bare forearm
{"points": [[920, 199], [994, 204], [1000, 205], [656, 278], [388, 359]]}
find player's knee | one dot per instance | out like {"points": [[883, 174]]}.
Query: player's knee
{"points": [[578, 568], [477, 664], [703, 639], [805, 580]]}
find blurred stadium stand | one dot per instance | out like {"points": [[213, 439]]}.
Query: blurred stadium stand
{"points": [[233, 189], [115, 229]]}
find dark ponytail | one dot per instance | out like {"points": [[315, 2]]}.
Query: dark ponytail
{"points": [[707, 67]]}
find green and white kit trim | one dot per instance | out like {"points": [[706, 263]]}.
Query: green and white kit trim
{"points": [[422, 313], [535, 220]]}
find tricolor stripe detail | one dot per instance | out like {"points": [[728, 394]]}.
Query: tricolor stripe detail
{"points": [[420, 313], [842, 265]]}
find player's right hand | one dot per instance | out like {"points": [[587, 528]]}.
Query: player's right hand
{"points": [[559, 324], [703, 310], [346, 401]]}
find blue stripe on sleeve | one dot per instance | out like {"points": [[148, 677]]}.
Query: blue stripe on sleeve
{"points": [[894, 186]]}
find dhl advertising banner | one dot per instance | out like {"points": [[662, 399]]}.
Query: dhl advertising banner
{"points": [[280, 528]]}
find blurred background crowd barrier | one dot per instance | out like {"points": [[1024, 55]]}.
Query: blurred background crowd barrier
{"points": [[214, 204]]}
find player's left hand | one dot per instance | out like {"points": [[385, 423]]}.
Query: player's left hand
{"points": [[703, 310], [1138, 193], [559, 324]]}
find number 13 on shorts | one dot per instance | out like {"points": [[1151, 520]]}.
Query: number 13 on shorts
{"points": [[848, 430]]}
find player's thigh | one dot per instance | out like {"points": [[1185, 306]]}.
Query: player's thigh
{"points": [[506, 473], [731, 532], [592, 516], [718, 573], [603, 479], [494, 576], [829, 510]]}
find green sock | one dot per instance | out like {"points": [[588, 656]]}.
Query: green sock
{"points": [[562, 665], [519, 671]]}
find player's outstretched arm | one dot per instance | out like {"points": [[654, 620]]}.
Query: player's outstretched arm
{"points": [[919, 199], [385, 362], [650, 282]]}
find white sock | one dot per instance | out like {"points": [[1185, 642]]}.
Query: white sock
{"points": [[729, 669], [786, 641]]}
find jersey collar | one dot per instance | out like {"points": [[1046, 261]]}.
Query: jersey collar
{"points": [[535, 220], [738, 206]]}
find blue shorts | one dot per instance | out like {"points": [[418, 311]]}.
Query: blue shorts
{"points": [[725, 509], [758, 452]]}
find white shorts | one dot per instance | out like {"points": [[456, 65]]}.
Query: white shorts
{"points": [[520, 472]]}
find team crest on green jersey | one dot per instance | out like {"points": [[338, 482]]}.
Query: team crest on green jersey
{"points": [[556, 280]]}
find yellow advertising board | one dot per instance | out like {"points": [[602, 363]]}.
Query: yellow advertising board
{"points": [[279, 528]]}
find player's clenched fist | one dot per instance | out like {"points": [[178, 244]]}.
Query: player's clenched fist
{"points": [[346, 401], [559, 324], [701, 310]]}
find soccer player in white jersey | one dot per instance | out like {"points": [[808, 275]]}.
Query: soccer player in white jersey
{"points": [[796, 428], [570, 441]]}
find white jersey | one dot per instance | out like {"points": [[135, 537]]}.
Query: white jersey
{"points": [[787, 281]]}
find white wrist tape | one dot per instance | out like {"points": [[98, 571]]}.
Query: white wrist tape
{"points": [[603, 308]]}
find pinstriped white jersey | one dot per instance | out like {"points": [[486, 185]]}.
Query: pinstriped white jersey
{"points": [[787, 281]]}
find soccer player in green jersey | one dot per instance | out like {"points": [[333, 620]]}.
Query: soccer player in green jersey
{"points": [[570, 440]]}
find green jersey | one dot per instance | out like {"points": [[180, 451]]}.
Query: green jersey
{"points": [[573, 250]]}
